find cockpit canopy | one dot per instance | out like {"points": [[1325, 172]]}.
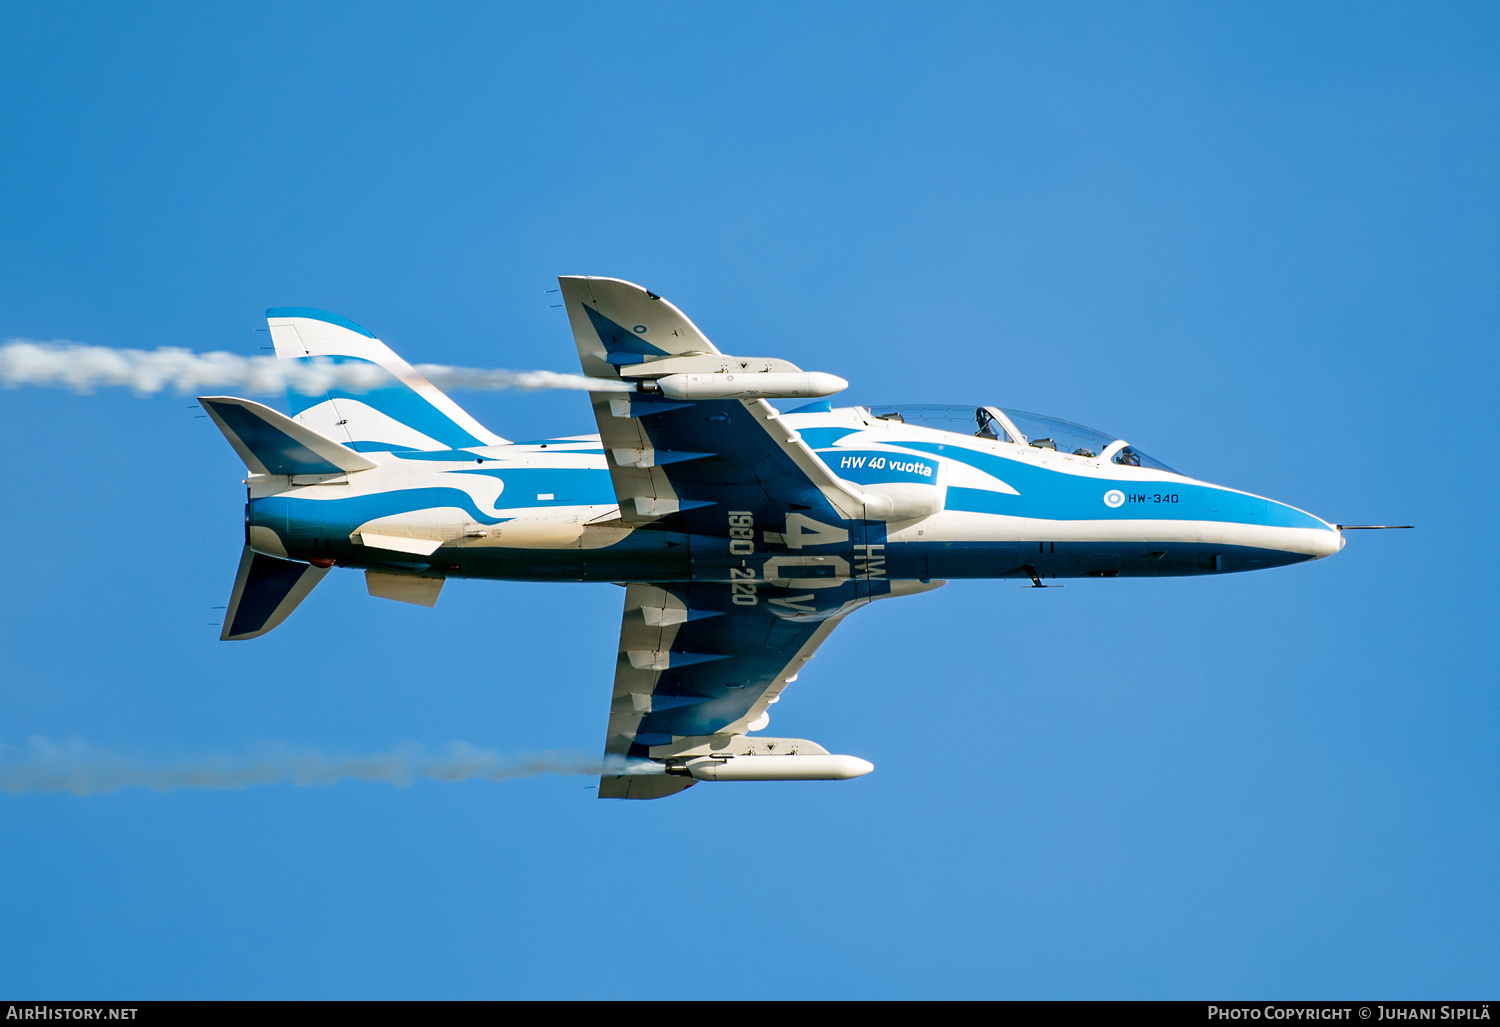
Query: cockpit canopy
{"points": [[1018, 427]]}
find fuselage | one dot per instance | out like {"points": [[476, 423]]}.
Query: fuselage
{"points": [[743, 535], [960, 506]]}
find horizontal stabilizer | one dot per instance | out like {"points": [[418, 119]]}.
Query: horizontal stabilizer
{"points": [[272, 443], [266, 591]]}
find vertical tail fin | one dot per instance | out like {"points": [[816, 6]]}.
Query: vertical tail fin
{"points": [[401, 409]]}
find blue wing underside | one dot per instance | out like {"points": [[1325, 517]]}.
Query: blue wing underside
{"points": [[721, 664], [692, 664]]}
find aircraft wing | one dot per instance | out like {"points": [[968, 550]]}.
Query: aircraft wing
{"points": [[695, 671], [667, 457], [782, 549]]}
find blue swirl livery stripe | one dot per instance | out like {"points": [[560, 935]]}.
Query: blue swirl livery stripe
{"points": [[822, 438], [392, 397], [564, 486], [338, 518], [1053, 495]]}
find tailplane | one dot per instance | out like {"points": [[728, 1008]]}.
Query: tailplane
{"points": [[269, 442], [399, 410], [266, 591]]}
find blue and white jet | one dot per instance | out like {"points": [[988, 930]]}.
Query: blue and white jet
{"points": [[744, 536]]}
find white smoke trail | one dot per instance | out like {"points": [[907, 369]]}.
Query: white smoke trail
{"points": [[69, 365], [44, 766]]}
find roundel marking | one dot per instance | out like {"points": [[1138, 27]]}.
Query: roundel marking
{"points": [[640, 329], [1114, 498]]}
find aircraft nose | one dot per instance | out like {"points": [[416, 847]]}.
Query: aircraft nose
{"points": [[1314, 536], [1328, 542]]}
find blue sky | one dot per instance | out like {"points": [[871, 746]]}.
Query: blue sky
{"points": [[1259, 240]]}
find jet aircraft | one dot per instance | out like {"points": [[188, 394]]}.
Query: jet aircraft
{"points": [[743, 535]]}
